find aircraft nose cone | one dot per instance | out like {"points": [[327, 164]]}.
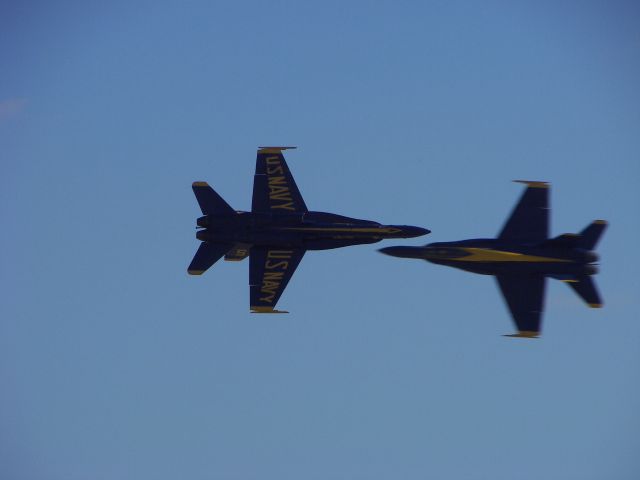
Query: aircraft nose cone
{"points": [[411, 231], [402, 252]]}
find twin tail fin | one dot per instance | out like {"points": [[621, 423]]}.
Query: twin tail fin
{"points": [[589, 237], [210, 202]]}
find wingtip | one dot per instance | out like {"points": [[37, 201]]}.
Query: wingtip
{"points": [[199, 184], [595, 305], [259, 309], [274, 149], [524, 334], [533, 183]]}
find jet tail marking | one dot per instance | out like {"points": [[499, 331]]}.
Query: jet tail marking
{"points": [[238, 252]]}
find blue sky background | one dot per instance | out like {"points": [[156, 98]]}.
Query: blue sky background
{"points": [[115, 364]]}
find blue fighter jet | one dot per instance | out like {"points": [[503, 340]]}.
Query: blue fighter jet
{"points": [[522, 257], [277, 232]]}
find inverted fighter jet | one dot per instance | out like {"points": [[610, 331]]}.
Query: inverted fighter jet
{"points": [[522, 257], [277, 232]]}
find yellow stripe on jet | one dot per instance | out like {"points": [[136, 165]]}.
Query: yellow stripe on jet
{"points": [[488, 255]]}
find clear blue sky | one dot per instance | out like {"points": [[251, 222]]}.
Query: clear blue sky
{"points": [[115, 364]]}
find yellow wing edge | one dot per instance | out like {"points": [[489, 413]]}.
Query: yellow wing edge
{"points": [[524, 334], [533, 183], [274, 149], [259, 309]]}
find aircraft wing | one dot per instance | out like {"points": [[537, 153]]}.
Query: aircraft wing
{"points": [[274, 189], [529, 220], [270, 269], [524, 295]]}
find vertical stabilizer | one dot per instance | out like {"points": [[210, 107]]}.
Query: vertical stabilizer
{"points": [[210, 202], [590, 236]]}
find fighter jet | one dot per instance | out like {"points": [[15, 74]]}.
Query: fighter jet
{"points": [[277, 232], [522, 257]]}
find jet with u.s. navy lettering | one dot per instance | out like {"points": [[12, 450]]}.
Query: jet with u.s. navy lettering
{"points": [[522, 257], [277, 232]]}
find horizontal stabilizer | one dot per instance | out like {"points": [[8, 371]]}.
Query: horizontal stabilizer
{"points": [[210, 202], [586, 289], [591, 235], [206, 256]]}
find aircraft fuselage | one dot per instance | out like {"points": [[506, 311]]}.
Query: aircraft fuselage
{"points": [[496, 257], [308, 230]]}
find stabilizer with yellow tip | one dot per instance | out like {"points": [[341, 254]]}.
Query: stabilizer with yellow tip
{"points": [[206, 255], [590, 236], [210, 202], [587, 291]]}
